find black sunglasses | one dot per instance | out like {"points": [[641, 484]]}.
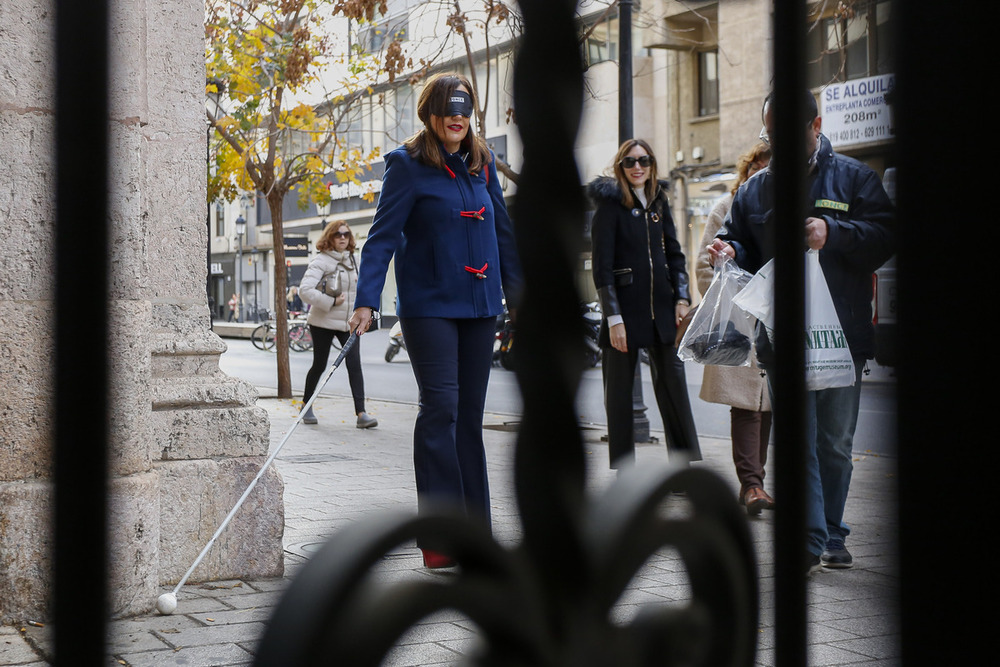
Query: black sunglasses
{"points": [[342, 235], [643, 160]]}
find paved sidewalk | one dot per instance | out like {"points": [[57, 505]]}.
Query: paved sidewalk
{"points": [[335, 474]]}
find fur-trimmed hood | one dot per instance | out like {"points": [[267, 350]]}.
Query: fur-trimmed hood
{"points": [[607, 188]]}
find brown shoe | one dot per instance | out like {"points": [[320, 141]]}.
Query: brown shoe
{"points": [[756, 499], [770, 500]]}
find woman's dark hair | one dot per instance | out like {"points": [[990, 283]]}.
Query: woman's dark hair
{"points": [[325, 241], [652, 184], [425, 145]]}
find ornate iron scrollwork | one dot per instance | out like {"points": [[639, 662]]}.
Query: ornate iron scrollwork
{"points": [[547, 601], [337, 612]]}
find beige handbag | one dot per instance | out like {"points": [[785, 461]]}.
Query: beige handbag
{"points": [[330, 284]]}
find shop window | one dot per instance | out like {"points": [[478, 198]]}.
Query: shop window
{"points": [[220, 219], [602, 41], [378, 35]]}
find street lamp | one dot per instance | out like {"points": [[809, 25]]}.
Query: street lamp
{"points": [[255, 255], [241, 229]]}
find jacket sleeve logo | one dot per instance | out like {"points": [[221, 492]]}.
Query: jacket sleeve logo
{"points": [[829, 203]]}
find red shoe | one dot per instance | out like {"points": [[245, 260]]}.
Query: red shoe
{"points": [[434, 560]]}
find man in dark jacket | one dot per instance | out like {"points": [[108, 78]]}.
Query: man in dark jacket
{"points": [[850, 223]]}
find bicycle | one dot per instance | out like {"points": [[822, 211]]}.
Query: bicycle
{"points": [[299, 337], [263, 336], [259, 313]]}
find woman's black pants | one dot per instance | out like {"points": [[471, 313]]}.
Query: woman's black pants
{"points": [[670, 388], [322, 340]]}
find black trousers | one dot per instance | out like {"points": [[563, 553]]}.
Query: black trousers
{"points": [[451, 361], [670, 388], [322, 340]]}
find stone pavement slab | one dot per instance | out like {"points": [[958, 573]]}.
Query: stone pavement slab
{"points": [[336, 474]]}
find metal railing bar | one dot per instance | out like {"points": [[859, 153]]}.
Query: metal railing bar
{"points": [[81, 374]]}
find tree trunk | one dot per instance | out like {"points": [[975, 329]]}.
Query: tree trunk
{"points": [[505, 169], [274, 203]]}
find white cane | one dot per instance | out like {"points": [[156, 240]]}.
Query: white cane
{"points": [[167, 603]]}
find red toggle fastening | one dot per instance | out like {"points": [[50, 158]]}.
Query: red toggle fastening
{"points": [[478, 215], [448, 169], [479, 273]]}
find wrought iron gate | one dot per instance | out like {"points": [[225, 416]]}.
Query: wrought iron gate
{"points": [[534, 606]]}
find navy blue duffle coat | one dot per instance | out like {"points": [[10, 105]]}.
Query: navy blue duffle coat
{"points": [[452, 238]]}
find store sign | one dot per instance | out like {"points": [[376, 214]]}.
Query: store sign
{"points": [[296, 246], [349, 189], [216, 269], [855, 112]]}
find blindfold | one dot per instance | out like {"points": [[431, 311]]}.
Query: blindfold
{"points": [[459, 104]]}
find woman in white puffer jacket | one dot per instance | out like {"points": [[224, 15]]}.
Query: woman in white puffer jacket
{"points": [[331, 308]]}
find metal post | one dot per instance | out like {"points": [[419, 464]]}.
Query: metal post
{"points": [[241, 226], [789, 374], [640, 424], [256, 308], [80, 457], [625, 129]]}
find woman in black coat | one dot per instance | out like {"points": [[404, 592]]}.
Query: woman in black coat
{"points": [[642, 282]]}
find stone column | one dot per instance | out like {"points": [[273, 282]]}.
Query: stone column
{"points": [[185, 439]]}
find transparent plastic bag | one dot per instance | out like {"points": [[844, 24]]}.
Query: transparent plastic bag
{"points": [[720, 333]]}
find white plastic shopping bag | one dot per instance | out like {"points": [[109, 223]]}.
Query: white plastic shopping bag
{"points": [[828, 358], [829, 362], [757, 296]]}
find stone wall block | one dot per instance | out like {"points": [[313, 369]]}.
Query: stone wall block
{"points": [[25, 550], [127, 97], [177, 72], [195, 498], [202, 365], [130, 394], [26, 382], [209, 432], [195, 392], [129, 254], [175, 210], [134, 538], [27, 201], [26, 54], [183, 326]]}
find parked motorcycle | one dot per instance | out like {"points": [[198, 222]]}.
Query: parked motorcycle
{"points": [[592, 328], [396, 342], [503, 346]]}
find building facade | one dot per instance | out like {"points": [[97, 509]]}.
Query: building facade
{"points": [[718, 72], [701, 71]]}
